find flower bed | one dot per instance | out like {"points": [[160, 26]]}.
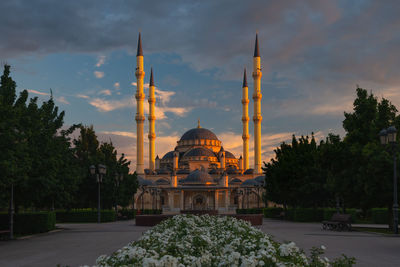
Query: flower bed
{"points": [[188, 240]]}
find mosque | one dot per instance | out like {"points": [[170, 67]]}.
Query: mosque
{"points": [[199, 174]]}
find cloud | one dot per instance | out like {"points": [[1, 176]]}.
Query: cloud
{"points": [[145, 85], [100, 60], [162, 107], [82, 96], [110, 105], [37, 92], [120, 133], [105, 92], [117, 86], [125, 142], [62, 99], [98, 74]]}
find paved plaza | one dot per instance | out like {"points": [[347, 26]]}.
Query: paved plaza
{"points": [[369, 249], [80, 244]]}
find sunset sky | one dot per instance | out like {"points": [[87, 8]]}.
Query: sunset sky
{"points": [[313, 53]]}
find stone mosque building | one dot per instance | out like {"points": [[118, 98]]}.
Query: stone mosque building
{"points": [[199, 174]]}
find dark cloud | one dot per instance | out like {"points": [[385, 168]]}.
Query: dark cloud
{"points": [[313, 51]]}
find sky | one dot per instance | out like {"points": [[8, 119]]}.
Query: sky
{"points": [[314, 54]]}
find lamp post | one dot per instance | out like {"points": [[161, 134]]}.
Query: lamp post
{"points": [[119, 177], [388, 136], [12, 212], [101, 171]]}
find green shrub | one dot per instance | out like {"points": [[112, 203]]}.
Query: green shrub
{"points": [[380, 215], [249, 211], [308, 215], [289, 214], [126, 214], [85, 216], [29, 222], [272, 212]]}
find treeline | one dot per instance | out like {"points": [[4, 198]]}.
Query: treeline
{"points": [[356, 171], [48, 168]]}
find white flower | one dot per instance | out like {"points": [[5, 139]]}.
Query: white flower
{"points": [[323, 247]]}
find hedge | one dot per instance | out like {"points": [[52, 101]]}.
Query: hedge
{"points": [[249, 211], [85, 216], [273, 212], [305, 214], [148, 211], [29, 222], [380, 215], [126, 214]]}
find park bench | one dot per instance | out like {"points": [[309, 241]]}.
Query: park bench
{"points": [[338, 222], [3, 234]]}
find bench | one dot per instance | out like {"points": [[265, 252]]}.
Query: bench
{"points": [[3, 234], [338, 222]]}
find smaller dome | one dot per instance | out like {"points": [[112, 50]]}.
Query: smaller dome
{"points": [[199, 151], [250, 182], [235, 181], [229, 155], [249, 171], [162, 181], [169, 155], [232, 170], [198, 177]]}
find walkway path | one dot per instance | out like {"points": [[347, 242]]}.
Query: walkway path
{"points": [[369, 249], [81, 244], [77, 245]]}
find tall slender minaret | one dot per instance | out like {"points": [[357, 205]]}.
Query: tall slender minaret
{"points": [[139, 108], [152, 118], [257, 118], [245, 120]]}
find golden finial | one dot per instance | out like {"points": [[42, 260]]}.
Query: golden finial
{"points": [[198, 123]]}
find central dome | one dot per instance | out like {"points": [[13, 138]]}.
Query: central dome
{"points": [[199, 133]]}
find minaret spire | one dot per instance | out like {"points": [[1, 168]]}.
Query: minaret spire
{"points": [[152, 118], [244, 78], [256, 49], [140, 96], [257, 118], [245, 121], [151, 77], [139, 46]]}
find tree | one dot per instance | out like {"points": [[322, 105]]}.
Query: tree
{"points": [[14, 158], [294, 177]]}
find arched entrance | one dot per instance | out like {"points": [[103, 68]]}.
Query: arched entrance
{"points": [[199, 202]]}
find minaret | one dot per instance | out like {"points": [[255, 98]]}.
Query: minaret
{"points": [[139, 108], [152, 118], [257, 118], [245, 120]]}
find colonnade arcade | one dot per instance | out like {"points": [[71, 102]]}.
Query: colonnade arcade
{"points": [[172, 200]]}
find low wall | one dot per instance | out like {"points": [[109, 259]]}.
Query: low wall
{"points": [[254, 219], [151, 220], [200, 212]]}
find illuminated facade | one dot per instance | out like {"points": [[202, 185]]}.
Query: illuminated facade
{"points": [[199, 174]]}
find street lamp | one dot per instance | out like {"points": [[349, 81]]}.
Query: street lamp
{"points": [[388, 136], [101, 171], [119, 177]]}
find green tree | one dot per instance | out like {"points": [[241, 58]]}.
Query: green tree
{"points": [[14, 156]]}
